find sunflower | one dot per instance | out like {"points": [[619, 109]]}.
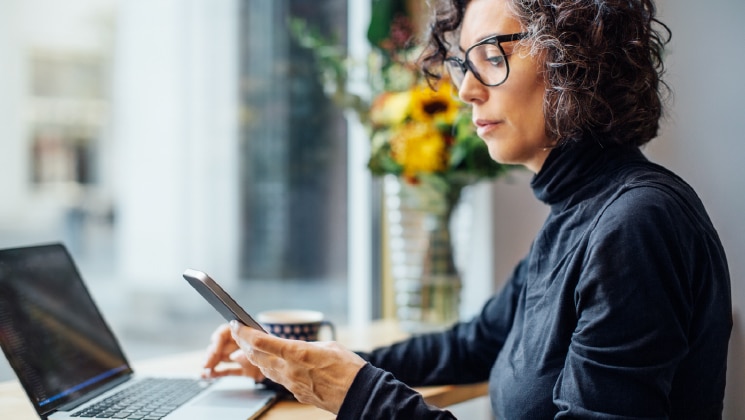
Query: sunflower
{"points": [[391, 108], [439, 106], [419, 148]]}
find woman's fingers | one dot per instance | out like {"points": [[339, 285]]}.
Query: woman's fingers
{"points": [[248, 338], [223, 354], [217, 373], [261, 349], [316, 373], [246, 367], [220, 347]]}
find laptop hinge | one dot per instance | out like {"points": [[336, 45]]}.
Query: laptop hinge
{"points": [[93, 394]]}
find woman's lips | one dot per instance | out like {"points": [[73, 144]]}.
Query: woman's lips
{"points": [[485, 126]]}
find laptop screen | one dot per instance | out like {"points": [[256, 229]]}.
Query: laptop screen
{"points": [[51, 330]]}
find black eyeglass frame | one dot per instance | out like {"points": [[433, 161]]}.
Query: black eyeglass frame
{"points": [[465, 64]]}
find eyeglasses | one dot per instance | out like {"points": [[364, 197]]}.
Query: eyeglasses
{"points": [[486, 59]]}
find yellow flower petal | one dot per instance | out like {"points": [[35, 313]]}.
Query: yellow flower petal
{"points": [[419, 148], [435, 107], [391, 108]]}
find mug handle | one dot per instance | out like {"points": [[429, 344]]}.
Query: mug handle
{"points": [[331, 328]]}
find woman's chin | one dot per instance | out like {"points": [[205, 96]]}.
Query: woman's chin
{"points": [[498, 157]]}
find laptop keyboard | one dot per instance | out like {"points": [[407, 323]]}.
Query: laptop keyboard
{"points": [[148, 399]]}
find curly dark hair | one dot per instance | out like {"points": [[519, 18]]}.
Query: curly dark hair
{"points": [[603, 64]]}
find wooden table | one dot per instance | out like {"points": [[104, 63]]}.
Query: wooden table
{"points": [[14, 403]]}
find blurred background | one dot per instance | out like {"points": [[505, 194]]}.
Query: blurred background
{"points": [[151, 136], [154, 136]]}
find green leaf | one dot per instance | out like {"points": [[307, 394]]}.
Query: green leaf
{"points": [[381, 17], [457, 155]]}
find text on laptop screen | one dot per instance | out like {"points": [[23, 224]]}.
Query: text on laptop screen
{"points": [[50, 329]]}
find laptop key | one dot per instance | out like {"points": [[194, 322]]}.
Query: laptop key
{"points": [[148, 399]]}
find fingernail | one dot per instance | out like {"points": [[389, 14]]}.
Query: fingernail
{"points": [[234, 325]]}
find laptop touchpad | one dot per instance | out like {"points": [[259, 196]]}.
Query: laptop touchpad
{"points": [[234, 398], [234, 392]]}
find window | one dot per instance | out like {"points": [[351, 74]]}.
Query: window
{"points": [[293, 149], [201, 140]]}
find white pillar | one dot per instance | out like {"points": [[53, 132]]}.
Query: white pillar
{"points": [[14, 165], [175, 107], [359, 195], [472, 227]]}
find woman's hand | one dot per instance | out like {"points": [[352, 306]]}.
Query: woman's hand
{"points": [[224, 357], [317, 373]]}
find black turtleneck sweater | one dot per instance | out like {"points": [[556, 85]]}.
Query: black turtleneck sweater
{"points": [[621, 309]]}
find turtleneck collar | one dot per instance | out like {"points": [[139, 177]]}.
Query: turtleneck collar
{"points": [[573, 166]]}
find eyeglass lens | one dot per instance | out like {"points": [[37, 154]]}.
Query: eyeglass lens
{"points": [[486, 61]]}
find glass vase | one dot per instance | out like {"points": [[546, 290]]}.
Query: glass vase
{"points": [[426, 282]]}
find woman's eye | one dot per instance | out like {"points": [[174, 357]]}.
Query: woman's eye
{"points": [[495, 60], [490, 55]]}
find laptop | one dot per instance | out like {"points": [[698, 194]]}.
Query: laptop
{"points": [[70, 363]]}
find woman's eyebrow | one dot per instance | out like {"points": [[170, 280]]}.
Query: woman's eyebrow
{"points": [[491, 35], [481, 39]]}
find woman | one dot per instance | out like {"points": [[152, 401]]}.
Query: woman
{"points": [[621, 308]]}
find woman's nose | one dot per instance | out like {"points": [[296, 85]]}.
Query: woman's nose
{"points": [[471, 90]]}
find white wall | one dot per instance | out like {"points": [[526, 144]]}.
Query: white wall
{"points": [[702, 140]]}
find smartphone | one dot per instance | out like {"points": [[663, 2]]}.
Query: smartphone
{"points": [[219, 298]]}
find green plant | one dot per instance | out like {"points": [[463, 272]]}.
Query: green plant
{"points": [[422, 134]]}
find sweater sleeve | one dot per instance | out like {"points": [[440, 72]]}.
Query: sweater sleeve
{"points": [[635, 307], [463, 354], [376, 394]]}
